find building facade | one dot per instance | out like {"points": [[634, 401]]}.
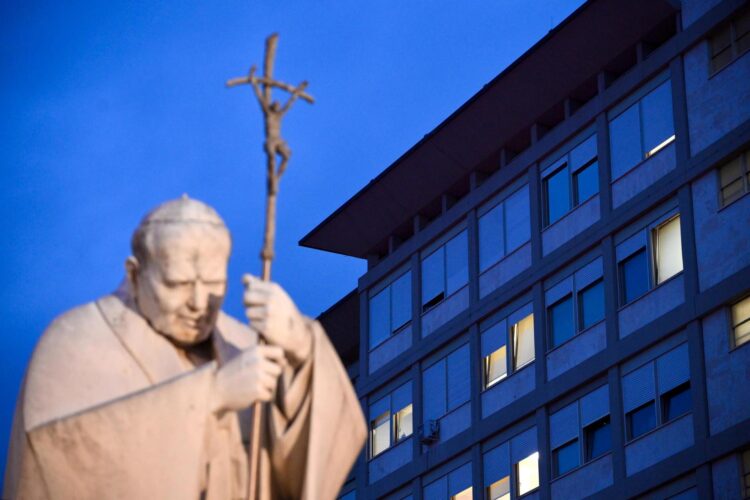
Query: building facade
{"points": [[557, 300]]}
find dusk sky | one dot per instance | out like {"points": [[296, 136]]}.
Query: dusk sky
{"points": [[110, 108]]}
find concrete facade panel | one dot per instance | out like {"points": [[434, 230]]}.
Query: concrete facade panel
{"points": [[725, 473], [445, 311], [659, 445], [718, 103], [388, 350], [390, 460], [692, 10], [586, 480], [654, 304], [724, 368], [578, 349], [504, 393], [721, 236], [581, 218], [643, 175], [510, 267]]}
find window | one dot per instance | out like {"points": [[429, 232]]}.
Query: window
{"points": [[730, 42], [741, 322], [390, 309], [667, 250], [657, 392], [591, 305], [522, 334], [504, 228], [641, 420], [734, 178], [574, 179], [580, 432], [500, 489], [445, 384], [390, 420], [642, 130], [497, 358], [565, 458], [561, 321], [597, 438], [676, 402], [634, 276], [666, 260], [512, 465], [463, 495], [528, 474], [445, 271], [455, 485]]}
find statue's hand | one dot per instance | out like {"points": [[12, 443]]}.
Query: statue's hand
{"points": [[274, 315], [248, 377]]}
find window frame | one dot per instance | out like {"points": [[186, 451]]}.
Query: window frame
{"points": [[744, 159], [730, 319], [517, 316], [586, 429], [425, 307], [387, 285], [392, 424], [649, 246], [734, 50], [563, 162], [555, 454], [654, 244]]}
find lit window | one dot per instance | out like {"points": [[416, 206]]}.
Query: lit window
{"points": [[495, 367], [390, 309], [591, 305], [734, 178], [403, 423], [565, 458], [574, 180], [642, 130], [667, 250], [597, 438], [380, 433], [641, 420], [560, 320], [445, 271], [528, 474], [464, 495], [730, 42], [634, 276], [522, 334], [676, 402], [500, 489], [741, 322]]}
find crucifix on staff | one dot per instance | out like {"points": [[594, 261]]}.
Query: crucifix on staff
{"points": [[275, 146]]}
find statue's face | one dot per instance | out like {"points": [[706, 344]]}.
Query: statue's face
{"points": [[180, 288]]}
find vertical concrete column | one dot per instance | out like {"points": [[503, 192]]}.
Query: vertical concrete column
{"points": [[535, 204], [417, 408], [611, 291], [477, 471], [364, 336], [475, 364], [604, 159], [698, 389], [545, 465], [472, 233], [540, 334], [617, 423], [679, 109], [416, 300]]}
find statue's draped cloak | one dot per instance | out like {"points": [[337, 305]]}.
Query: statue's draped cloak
{"points": [[110, 409]]}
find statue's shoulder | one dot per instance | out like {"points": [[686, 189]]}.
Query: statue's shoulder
{"points": [[74, 325]]}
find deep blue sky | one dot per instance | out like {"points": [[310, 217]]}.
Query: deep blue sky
{"points": [[109, 108]]}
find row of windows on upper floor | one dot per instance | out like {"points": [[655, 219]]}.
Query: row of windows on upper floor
{"points": [[644, 263], [636, 133], [655, 393]]}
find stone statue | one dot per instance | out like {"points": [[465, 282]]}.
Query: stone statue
{"points": [[146, 393]]}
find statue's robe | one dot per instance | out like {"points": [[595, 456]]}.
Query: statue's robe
{"points": [[111, 409]]}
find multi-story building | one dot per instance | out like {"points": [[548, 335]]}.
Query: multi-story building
{"points": [[557, 299]]}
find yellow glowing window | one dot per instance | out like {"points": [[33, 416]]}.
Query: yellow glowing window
{"points": [[741, 322], [464, 495], [528, 473], [668, 250], [522, 334], [380, 433], [499, 490], [495, 367], [403, 423]]}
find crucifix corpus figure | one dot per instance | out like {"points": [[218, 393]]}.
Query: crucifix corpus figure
{"points": [[275, 146]]}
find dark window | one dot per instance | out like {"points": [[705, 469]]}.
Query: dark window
{"points": [[504, 228], [746, 474], [641, 420], [591, 305], [445, 271], [634, 276], [491, 238], [598, 438], [656, 119], [676, 402], [566, 457], [586, 183], [730, 42], [625, 141], [734, 178], [561, 321], [433, 279], [557, 188]]}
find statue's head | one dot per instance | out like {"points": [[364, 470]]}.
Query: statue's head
{"points": [[178, 270]]}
